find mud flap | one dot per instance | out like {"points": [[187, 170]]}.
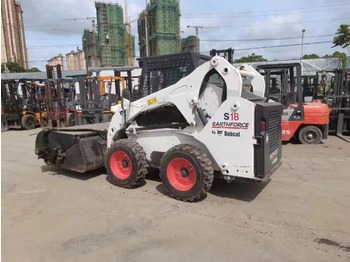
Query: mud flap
{"points": [[77, 150]]}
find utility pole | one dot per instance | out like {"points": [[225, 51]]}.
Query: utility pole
{"points": [[302, 43]]}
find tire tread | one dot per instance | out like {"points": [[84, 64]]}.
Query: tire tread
{"points": [[141, 161], [205, 165]]}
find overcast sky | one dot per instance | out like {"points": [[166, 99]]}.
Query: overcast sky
{"points": [[49, 33]]}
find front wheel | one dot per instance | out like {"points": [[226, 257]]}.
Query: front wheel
{"points": [[126, 163], [310, 135], [28, 122], [186, 173]]}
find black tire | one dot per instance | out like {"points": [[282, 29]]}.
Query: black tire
{"points": [[28, 122], [70, 119], [126, 163], [186, 173], [45, 122], [107, 117], [4, 125], [310, 135]]}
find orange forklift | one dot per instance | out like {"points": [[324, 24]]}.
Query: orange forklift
{"points": [[305, 121]]}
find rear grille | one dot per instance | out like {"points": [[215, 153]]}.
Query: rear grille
{"points": [[274, 129]]}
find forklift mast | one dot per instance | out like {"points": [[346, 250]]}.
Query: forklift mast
{"points": [[290, 86]]}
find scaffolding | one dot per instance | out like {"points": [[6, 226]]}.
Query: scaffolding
{"points": [[89, 47], [159, 28], [189, 44], [111, 34]]}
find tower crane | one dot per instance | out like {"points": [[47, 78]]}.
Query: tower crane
{"points": [[93, 21], [128, 33], [197, 27]]}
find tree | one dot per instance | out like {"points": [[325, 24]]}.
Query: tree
{"points": [[33, 69], [343, 37], [250, 58], [16, 68], [338, 54], [13, 67], [311, 56]]}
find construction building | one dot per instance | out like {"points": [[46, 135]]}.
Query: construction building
{"points": [[189, 44], [13, 43], [159, 28], [90, 48], [111, 36], [76, 60]]}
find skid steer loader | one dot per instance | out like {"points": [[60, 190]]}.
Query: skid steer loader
{"points": [[200, 126]]}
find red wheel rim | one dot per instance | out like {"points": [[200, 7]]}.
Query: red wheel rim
{"points": [[181, 174], [120, 164]]}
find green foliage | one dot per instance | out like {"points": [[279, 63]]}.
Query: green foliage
{"points": [[13, 67], [343, 36], [250, 58], [338, 54], [33, 69], [311, 56], [16, 68]]}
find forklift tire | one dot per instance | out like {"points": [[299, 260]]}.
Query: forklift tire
{"points": [[310, 135], [5, 126], [126, 163], [28, 122], [70, 119], [186, 173], [45, 122]]}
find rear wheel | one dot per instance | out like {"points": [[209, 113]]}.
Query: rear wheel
{"points": [[28, 122], [126, 163], [186, 173], [310, 135]]}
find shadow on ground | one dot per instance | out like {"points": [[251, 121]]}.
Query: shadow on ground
{"points": [[239, 189], [242, 190], [81, 176]]}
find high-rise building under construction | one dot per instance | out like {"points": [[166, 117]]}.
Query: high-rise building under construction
{"points": [[189, 44], [159, 28], [111, 36], [90, 49]]}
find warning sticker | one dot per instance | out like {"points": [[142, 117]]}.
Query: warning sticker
{"points": [[151, 101]]}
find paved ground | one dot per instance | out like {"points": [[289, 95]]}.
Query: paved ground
{"points": [[302, 214]]}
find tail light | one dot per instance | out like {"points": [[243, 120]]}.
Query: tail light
{"points": [[263, 125]]}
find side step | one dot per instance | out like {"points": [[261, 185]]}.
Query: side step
{"points": [[79, 150]]}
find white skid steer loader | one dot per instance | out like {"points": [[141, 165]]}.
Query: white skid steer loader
{"points": [[193, 129], [203, 125]]}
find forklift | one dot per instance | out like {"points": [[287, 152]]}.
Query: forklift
{"points": [[338, 99], [20, 104], [305, 121], [92, 104], [332, 88]]}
